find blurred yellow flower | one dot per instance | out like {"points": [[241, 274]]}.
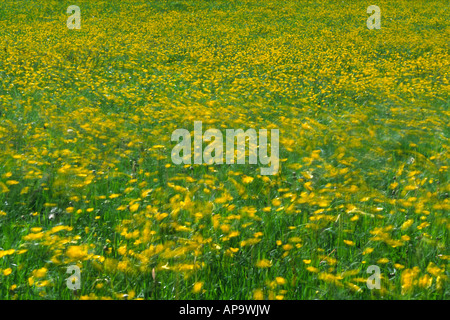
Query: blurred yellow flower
{"points": [[134, 207], [76, 252], [312, 269], [197, 287], [349, 242], [247, 179], [40, 273], [383, 260], [7, 272], [258, 294], [264, 263]]}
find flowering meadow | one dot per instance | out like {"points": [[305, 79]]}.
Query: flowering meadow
{"points": [[87, 180]]}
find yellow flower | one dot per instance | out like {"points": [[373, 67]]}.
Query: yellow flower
{"points": [[123, 266], [233, 234], [197, 287], [354, 287], [439, 282], [59, 228], [33, 236], [7, 252], [407, 224], [331, 278], [405, 238], [425, 281], [131, 294], [280, 280], [312, 269], [349, 242], [264, 263], [76, 252], [70, 209], [128, 190], [134, 207], [258, 294], [434, 270], [383, 260], [276, 202], [295, 239], [407, 279], [3, 187], [40, 273], [393, 185], [247, 179], [7, 175], [44, 283], [7, 272]]}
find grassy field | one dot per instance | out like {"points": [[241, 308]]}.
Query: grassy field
{"points": [[86, 176]]}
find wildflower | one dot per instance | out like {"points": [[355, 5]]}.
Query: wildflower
{"points": [[328, 277], [425, 281], [7, 272], [407, 224], [134, 207], [197, 287], [264, 263], [383, 261], [258, 294], [76, 252], [407, 279], [247, 179], [40, 273], [349, 242], [312, 269]]}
